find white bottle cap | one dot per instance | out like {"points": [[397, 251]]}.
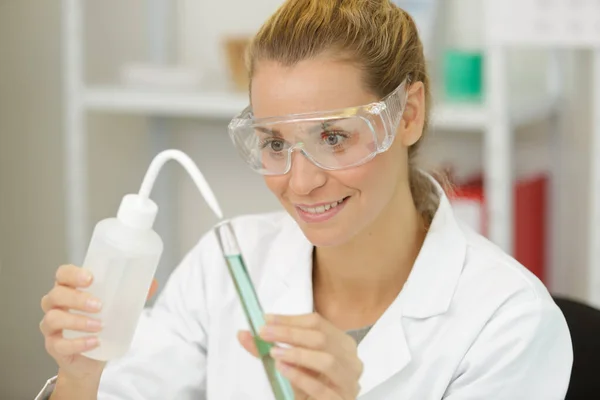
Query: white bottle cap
{"points": [[137, 211]]}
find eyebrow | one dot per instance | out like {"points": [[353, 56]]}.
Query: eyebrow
{"points": [[272, 132], [317, 128], [331, 124]]}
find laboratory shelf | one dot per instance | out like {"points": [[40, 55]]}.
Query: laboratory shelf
{"points": [[115, 99], [476, 117], [225, 105]]}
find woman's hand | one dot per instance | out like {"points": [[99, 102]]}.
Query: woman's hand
{"points": [[65, 296], [322, 363]]}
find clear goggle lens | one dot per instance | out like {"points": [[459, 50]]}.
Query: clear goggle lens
{"points": [[331, 140]]}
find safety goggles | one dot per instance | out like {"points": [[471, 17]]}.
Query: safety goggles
{"points": [[332, 140]]}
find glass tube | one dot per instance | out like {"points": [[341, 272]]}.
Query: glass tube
{"points": [[252, 308]]}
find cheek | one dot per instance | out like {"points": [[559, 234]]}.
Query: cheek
{"points": [[369, 177], [276, 184], [358, 178], [376, 180]]}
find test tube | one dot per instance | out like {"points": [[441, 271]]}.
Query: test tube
{"points": [[254, 314]]}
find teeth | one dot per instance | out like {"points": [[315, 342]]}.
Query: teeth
{"points": [[321, 209]]}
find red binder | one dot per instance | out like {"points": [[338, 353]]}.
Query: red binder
{"points": [[530, 219]]}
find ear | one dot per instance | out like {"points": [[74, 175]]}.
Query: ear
{"points": [[410, 129]]}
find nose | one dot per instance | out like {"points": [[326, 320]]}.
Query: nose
{"points": [[304, 175]]}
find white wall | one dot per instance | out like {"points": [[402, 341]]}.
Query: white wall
{"points": [[203, 25], [32, 240], [570, 277], [31, 213], [31, 216]]}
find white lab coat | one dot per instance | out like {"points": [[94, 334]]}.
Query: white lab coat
{"points": [[470, 324]]}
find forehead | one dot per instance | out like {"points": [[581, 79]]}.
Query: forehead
{"points": [[318, 84]]}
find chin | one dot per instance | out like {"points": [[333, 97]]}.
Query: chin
{"points": [[325, 237], [332, 233]]}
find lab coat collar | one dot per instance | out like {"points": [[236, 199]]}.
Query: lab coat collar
{"points": [[430, 286], [428, 291]]}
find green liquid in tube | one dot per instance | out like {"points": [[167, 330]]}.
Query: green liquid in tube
{"points": [[280, 385]]}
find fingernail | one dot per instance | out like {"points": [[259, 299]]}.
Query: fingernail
{"points": [[277, 352], [91, 342], [94, 324], [93, 304], [267, 332], [85, 277]]}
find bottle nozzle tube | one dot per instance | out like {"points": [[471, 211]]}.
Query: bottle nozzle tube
{"points": [[190, 167]]}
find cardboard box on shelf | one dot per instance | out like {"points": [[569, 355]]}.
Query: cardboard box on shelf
{"points": [[235, 51]]}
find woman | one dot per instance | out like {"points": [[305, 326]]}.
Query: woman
{"points": [[377, 289]]}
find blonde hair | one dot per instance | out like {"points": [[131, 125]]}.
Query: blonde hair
{"points": [[376, 35]]}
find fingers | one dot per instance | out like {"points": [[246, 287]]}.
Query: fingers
{"points": [[58, 346], [318, 362], [247, 341], [68, 298], [314, 387], [319, 347], [57, 320], [307, 321], [72, 276], [309, 330], [63, 297], [295, 336], [64, 294]]}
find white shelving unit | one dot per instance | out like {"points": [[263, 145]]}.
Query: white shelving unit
{"points": [[224, 105], [495, 119], [216, 105], [470, 117], [555, 24]]}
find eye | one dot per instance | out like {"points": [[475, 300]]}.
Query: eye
{"points": [[333, 138], [277, 145]]}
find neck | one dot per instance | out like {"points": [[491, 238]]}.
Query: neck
{"points": [[368, 272]]}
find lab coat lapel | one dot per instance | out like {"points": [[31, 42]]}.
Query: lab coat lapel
{"points": [[384, 351], [288, 287], [427, 292], [432, 282]]}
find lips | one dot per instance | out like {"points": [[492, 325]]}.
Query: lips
{"points": [[320, 209], [320, 212]]}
